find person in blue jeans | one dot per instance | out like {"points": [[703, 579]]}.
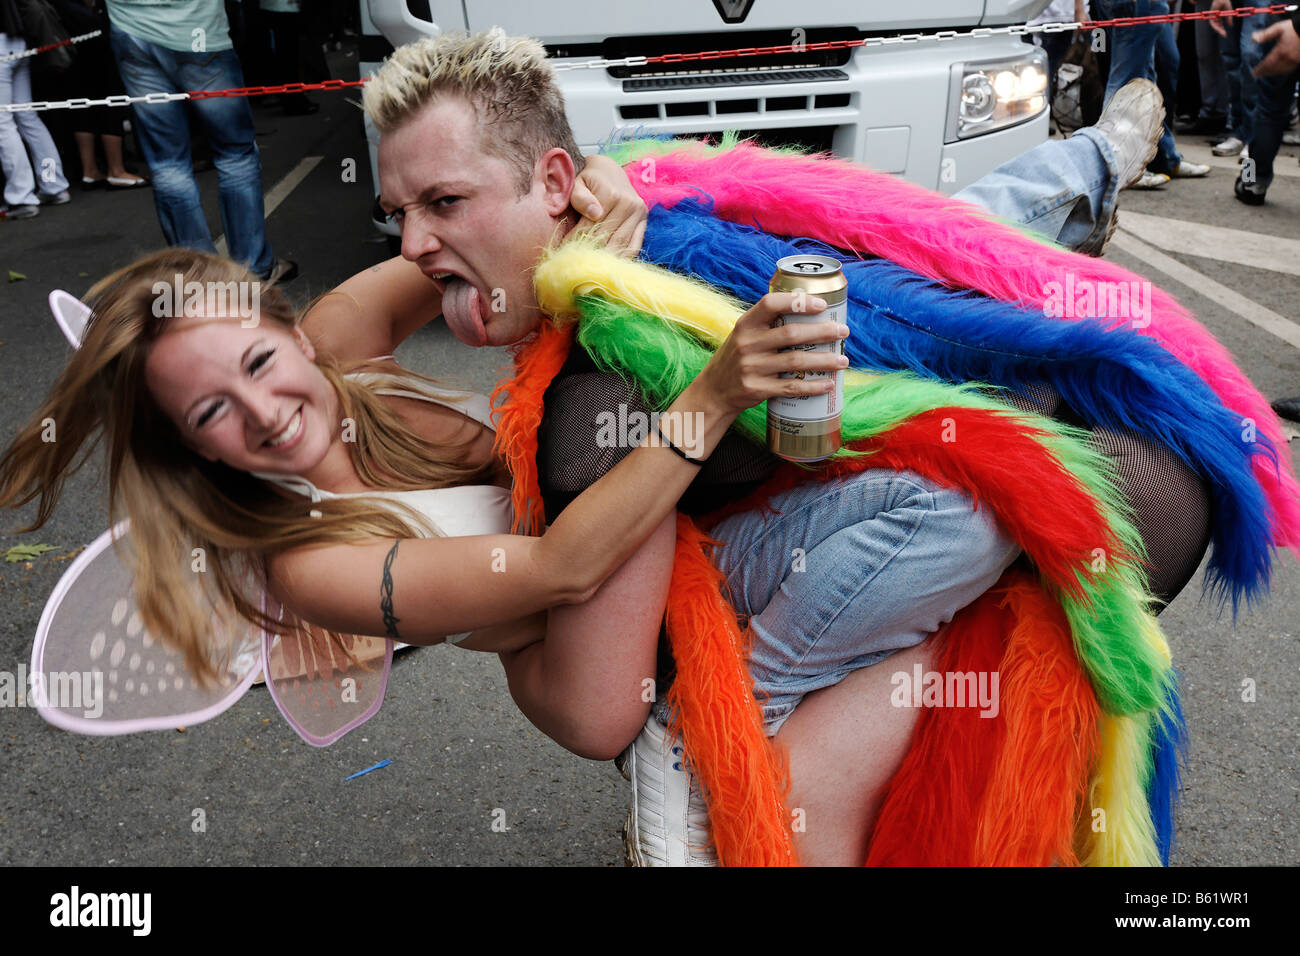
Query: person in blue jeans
{"points": [[1067, 190], [173, 48], [1241, 55], [1275, 77], [1132, 55], [25, 189]]}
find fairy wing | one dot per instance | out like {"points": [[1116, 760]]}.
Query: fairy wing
{"points": [[325, 687], [97, 670], [72, 315]]}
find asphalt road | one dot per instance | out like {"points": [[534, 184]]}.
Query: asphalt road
{"points": [[460, 751]]}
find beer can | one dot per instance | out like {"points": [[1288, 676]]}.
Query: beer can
{"points": [[807, 428]]}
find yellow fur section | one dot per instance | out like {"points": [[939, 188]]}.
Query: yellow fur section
{"points": [[1129, 836], [578, 268], [575, 269]]}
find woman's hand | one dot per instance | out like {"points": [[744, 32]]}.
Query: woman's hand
{"points": [[609, 207], [747, 367]]}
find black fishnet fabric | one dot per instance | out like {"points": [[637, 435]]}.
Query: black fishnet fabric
{"points": [[1171, 503], [569, 457]]}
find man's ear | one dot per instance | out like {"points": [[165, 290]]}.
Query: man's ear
{"points": [[556, 172], [304, 343]]}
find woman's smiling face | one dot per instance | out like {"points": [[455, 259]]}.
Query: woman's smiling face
{"points": [[250, 397]]}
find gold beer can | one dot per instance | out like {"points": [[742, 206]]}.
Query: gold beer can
{"points": [[807, 428]]}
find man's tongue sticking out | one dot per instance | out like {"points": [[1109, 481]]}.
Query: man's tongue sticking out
{"points": [[463, 309]]}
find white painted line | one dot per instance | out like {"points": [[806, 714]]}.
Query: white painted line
{"points": [[279, 193], [1254, 313], [1284, 164], [1215, 242]]}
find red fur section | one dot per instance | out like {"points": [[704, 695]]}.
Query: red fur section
{"points": [[954, 243], [743, 777], [537, 361], [1049, 741], [930, 810], [1036, 500]]}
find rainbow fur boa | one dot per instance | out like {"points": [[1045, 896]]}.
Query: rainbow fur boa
{"points": [[1117, 378], [1078, 765], [961, 247]]}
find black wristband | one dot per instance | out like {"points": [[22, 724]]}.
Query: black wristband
{"points": [[685, 457]]}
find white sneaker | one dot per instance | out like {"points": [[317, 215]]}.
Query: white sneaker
{"points": [[668, 823], [1229, 147], [1149, 180], [1188, 170]]}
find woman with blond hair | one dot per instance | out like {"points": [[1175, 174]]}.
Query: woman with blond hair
{"points": [[365, 498]]}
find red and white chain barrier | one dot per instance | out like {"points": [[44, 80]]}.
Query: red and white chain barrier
{"points": [[23, 54], [1020, 29]]}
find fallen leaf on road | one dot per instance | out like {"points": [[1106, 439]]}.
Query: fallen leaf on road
{"points": [[16, 276], [22, 552]]}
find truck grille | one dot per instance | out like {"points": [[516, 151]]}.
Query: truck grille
{"points": [[709, 79]]}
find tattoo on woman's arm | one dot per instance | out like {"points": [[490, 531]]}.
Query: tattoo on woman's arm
{"points": [[386, 595]]}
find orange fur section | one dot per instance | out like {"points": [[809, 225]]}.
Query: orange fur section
{"points": [[930, 811], [1005, 790], [537, 361], [1040, 778], [743, 777]]}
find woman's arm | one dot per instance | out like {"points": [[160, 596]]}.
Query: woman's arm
{"points": [[375, 311], [610, 208], [419, 590]]}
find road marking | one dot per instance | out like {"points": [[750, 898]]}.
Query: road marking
{"points": [[279, 193], [1215, 242], [1251, 311], [1284, 163]]}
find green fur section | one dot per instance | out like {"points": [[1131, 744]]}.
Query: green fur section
{"points": [[632, 150], [1127, 673]]}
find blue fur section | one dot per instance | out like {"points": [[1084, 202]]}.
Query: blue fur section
{"points": [[1169, 748], [1114, 378]]}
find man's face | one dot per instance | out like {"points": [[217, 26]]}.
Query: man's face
{"points": [[464, 223]]}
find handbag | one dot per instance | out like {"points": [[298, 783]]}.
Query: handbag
{"points": [[42, 26], [1080, 87]]}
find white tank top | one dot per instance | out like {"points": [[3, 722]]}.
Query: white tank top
{"points": [[454, 512]]}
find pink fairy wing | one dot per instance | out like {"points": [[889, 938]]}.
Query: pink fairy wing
{"points": [[96, 670], [324, 689]]}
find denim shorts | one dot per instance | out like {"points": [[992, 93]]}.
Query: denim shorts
{"points": [[850, 570]]}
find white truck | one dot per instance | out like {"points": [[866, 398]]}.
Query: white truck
{"points": [[940, 112]]}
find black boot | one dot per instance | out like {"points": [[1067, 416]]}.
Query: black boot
{"points": [[1288, 408]]}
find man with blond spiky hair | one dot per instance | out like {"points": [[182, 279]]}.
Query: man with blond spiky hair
{"points": [[476, 164]]}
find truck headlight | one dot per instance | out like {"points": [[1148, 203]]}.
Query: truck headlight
{"points": [[995, 94]]}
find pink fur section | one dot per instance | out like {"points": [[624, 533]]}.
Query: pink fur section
{"points": [[955, 243]]}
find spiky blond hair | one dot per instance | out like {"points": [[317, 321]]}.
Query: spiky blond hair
{"points": [[507, 80]]}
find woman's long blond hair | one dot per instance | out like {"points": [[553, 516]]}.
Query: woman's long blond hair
{"points": [[179, 501]]}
